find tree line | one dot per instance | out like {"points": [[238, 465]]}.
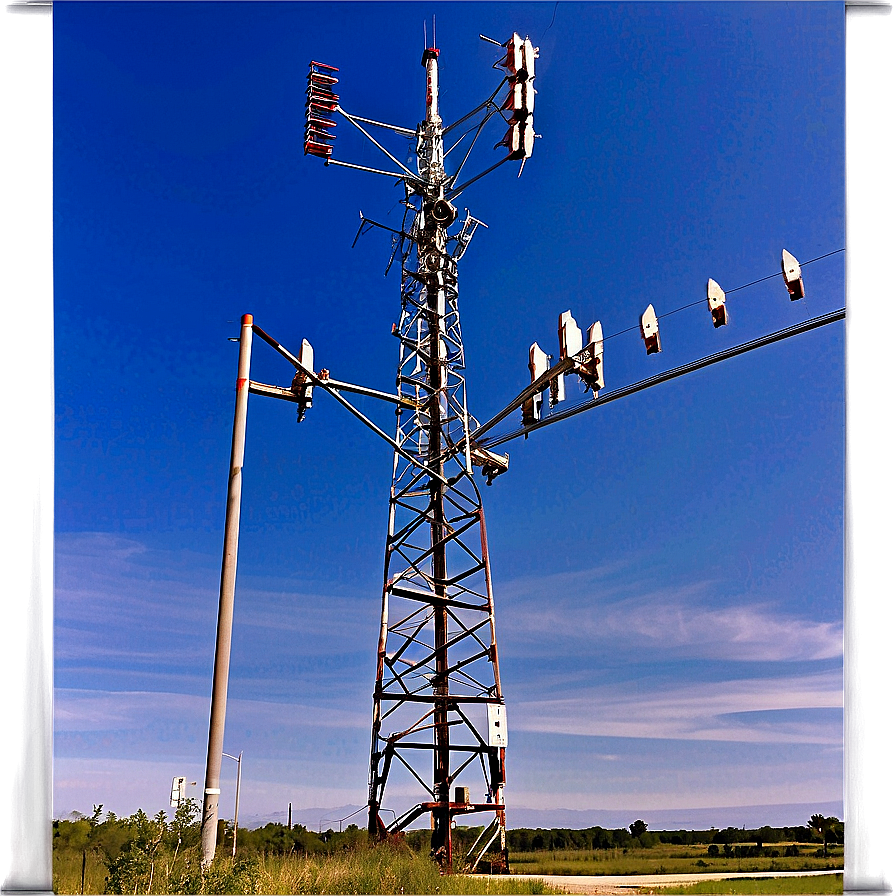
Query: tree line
{"points": [[137, 848], [818, 830]]}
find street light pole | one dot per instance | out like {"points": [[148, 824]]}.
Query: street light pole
{"points": [[236, 807]]}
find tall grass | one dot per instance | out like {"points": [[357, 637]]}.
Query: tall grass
{"points": [[67, 872], [380, 869]]}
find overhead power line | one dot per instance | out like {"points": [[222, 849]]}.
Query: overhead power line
{"points": [[727, 292], [667, 375]]}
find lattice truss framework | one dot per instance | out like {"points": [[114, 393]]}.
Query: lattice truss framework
{"points": [[438, 713], [437, 669]]}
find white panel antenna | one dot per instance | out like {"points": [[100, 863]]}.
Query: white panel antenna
{"points": [[793, 277], [300, 382], [650, 331], [570, 336], [715, 298], [538, 366], [497, 725], [592, 370]]}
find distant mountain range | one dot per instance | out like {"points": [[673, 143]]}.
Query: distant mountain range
{"points": [[776, 816]]}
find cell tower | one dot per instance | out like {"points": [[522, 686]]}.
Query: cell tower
{"points": [[438, 707]]}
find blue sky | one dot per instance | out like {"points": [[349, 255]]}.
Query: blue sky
{"points": [[668, 569]]}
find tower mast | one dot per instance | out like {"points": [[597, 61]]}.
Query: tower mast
{"points": [[431, 244], [438, 708], [440, 649]]}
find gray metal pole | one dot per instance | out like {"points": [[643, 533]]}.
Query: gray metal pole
{"points": [[236, 807], [225, 605], [236, 804]]}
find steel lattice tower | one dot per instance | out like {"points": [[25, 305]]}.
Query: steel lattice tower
{"points": [[438, 694], [438, 707]]}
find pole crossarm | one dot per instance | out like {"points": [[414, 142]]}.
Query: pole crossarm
{"points": [[257, 388], [324, 384], [667, 375]]}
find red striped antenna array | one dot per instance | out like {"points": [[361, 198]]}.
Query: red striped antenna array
{"points": [[321, 102]]}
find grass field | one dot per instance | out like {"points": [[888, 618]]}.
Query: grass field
{"points": [[664, 859], [389, 870], [380, 870]]}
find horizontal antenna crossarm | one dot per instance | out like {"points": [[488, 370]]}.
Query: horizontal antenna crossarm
{"points": [[256, 388], [733, 352], [354, 121], [278, 392], [396, 174], [381, 124], [534, 388], [456, 191]]}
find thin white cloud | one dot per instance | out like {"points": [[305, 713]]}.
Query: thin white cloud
{"points": [[721, 711], [110, 581], [572, 612], [78, 710], [120, 602], [83, 710]]}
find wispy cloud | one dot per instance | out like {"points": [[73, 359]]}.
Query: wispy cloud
{"points": [[81, 710], [108, 580], [571, 612], [85, 710], [727, 711], [117, 602]]}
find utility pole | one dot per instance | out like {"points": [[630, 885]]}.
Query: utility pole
{"points": [[212, 792]]}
